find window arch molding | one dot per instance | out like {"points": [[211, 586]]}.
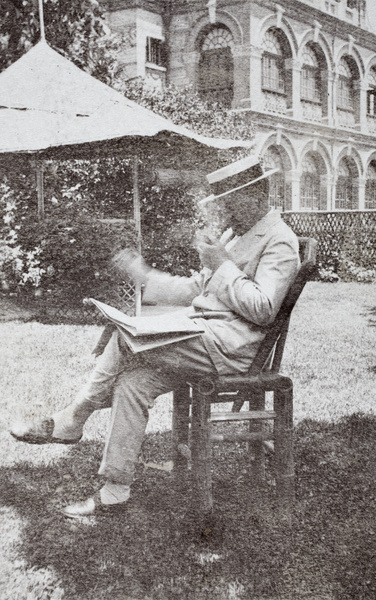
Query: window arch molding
{"points": [[215, 73], [284, 146], [371, 159], [321, 46], [347, 92], [273, 62], [347, 75], [371, 91], [370, 67], [275, 51], [274, 157], [194, 37], [321, 151], [370, 187], [279, 153], [312, 66], [348, 171], [353, 54], [313, 182], [285, 28], [354, 156], [315, 74]]}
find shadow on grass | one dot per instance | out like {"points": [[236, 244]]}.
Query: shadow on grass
{"points": [[154, 550], [371, 313]]}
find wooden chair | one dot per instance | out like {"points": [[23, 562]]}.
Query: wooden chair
{"points": [[194, 443]]}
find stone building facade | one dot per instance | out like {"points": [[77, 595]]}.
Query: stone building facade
{"points": [[303, 72]]}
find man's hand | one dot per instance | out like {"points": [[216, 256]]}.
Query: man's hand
{"points": [[212, 253], [130, 263]]}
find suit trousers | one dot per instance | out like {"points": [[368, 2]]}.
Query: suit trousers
{"points": [[130, 383]]}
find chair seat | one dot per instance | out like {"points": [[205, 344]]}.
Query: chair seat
{"points": [[267, 381]]}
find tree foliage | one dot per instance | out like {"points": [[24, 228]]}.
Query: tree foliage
{"points": [[75, 28], [183, 106]]}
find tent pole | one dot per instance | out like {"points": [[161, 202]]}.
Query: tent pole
{"points": [[40, 189], [41, 20], [137, 218]]}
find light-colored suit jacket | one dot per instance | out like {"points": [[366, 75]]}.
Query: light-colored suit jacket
{"points": [[244, 293]]}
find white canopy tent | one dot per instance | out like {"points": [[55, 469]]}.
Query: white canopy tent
{"points": [[51, 108], [46, 101]]}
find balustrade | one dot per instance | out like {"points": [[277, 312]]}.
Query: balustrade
{"points": [[312, 112], [274, 103]]}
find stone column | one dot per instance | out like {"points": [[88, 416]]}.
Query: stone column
{"points": [[332, 183], [191, 60], [255, 81], [360, 105], [241, 56], [334, 87], [293, 71], [361, 193], [327, 97], [323, 199], [293, 178]]}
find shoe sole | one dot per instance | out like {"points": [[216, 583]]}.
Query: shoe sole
{"points": [[39, 440], [99, 511]]}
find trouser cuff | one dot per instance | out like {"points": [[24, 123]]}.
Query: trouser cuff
{"points": [[124, 475]]}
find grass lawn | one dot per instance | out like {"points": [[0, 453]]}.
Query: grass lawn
{"points": [[325, 551]]}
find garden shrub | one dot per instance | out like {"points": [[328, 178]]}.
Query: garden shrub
{"points": [[184, 107], [67, 257], [358, 254], [168, 235], [346, 243]]}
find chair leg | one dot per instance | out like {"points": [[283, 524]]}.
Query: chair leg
{"points": [[201, 451], [256, 449], [180, 430], [283, 444]]}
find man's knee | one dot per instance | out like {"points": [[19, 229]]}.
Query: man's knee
{"points": [[142, 385]]}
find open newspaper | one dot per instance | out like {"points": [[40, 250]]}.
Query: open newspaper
{"points": [[148, 332]]}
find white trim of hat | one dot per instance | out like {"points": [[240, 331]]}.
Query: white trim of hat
{"points": [[212, 197], [233, 169]]}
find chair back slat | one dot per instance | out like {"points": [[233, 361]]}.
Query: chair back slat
{"points": [[277, 333], [280, 346]]}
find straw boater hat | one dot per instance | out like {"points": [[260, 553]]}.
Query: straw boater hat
{"points": [[234, 177]]}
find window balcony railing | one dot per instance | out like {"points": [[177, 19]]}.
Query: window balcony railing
{"points": [[371, 122], [311, 111], [345, 118], [274, 103]]}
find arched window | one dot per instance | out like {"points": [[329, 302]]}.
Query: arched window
{"points": [[344, 187], [371, 94], [216, 66], [345, 90], [310, 184], [370, 200], [310, 86], [273, 71], [277, 192]]}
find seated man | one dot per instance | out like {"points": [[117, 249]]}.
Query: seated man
{"points": [[236, 296]]}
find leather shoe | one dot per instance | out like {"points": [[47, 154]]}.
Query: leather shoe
{"points": [[39, 432], [93, 506]]}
